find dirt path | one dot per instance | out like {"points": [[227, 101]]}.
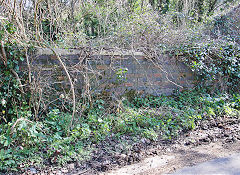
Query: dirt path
{"points": [[214, 139], [172, 160]]}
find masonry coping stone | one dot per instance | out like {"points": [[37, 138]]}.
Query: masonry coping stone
{"points": [[46, 51]]}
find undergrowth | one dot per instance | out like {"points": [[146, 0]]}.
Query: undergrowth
{"points": [[29, 143]]}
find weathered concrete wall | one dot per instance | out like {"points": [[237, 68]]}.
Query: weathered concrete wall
{"points": [[105, 70]]}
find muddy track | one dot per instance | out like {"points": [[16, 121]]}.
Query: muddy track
{"points": [[172, 160], [213, 139]]}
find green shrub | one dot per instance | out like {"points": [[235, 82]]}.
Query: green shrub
{"points": [[216, 65]]}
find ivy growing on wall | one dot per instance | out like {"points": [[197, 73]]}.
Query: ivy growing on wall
{"points": [[13, 99], [216, 65]]}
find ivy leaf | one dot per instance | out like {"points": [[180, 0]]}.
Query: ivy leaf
{"points": [[21, 58]]}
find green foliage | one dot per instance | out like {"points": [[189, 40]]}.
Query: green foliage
{"points": [[58, 122], [150, 134], [13, 103], [6, 160], [33, 142], [91, 24], [49, 30], [94, 24], [121, 75], [216, 64], [196, 10]]}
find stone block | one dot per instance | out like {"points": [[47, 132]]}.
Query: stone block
{"points": [[102, 67], [128, 84], [158, 75], [61, 78], [53, 57]]}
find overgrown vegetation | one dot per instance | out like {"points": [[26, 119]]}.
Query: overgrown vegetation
{"points": [[40, 128], [216, 64], [26, 143]]}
